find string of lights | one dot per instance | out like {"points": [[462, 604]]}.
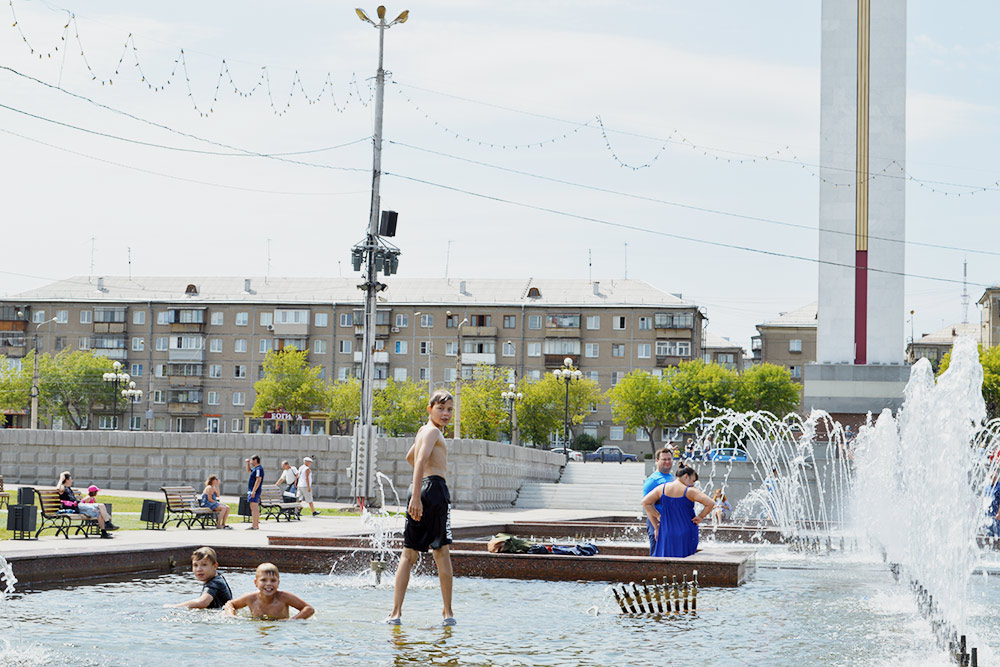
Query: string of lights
{"points": [[679, 237], [263, 81], [692, 207]]}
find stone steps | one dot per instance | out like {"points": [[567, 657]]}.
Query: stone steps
{"points": [[588, 486]]}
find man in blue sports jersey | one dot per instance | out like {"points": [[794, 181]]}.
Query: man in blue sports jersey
{"points": [[664, 462]]}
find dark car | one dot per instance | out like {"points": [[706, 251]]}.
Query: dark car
{"points": [[727, 454], [609, 454]]}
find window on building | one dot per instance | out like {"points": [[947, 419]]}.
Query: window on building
{"points": [[345, 346], [87, 316], [450, 321], [213, 398], [616, 377], [160, 370], [237, 425], [215, 370], [425, 347], [451, 348], [138, 344], [534, 321], [402, 320], [163, 317], [562, 321], [346, 320], [240, 371], [618, 350], [216, 318], [38, 316], [562, 346], [426, 320], [673, 320], [592, 350], [400, 347], [399, 374], [449, 374], [215, 345], [535, 374], [266, 318], [617, 433], [593, 322], [265, 345], [643, 350], [239, 398], [84, 343], [135, 423], [344, 373], [138, 317], [59, 343], [479, 346], [534, 349], [645, 324], [107, 422], [795, 345], [319, 346], [508, 349], [240, 345], [422, 374], [641, 434], [619, 322], [290, 316], [321, 319], [159, 396], [591, 375], [242, 319], [510, 321], [673, 348], [796, 371], [136, 370], [481, 321]]}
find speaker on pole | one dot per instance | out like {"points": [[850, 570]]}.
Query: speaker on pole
{"points": [[387, 225]]}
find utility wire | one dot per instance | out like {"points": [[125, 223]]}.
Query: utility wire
{"points": [[681, 237], [690, 207]]}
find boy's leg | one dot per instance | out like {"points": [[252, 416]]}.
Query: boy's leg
{"points": [[406, 562], [442, 558]]}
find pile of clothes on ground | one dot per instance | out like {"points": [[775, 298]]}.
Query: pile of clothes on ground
{"points": [[502, 543]]}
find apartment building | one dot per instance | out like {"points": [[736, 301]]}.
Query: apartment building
{"points": [[195, 345], [934, 346], [720, 350], [990, 317], [788, 340]]}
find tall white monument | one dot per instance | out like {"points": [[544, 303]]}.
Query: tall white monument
{"points": [[862, 221]]}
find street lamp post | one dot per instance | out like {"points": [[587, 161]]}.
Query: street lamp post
{"points": [[116, 379], [568, 373], [34, 370], [133, 395], [458, 379], [510, 397]]}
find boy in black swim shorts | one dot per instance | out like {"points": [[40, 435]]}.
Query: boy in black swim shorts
{"points": [[428, 512]]}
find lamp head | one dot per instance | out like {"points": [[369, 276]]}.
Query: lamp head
{"points": [[402, 17], [567, 362], [117, 365], [364, 17], [131, 385], [380, 11]]}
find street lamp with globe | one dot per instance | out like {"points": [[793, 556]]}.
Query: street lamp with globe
{"points": [[568, 373]]}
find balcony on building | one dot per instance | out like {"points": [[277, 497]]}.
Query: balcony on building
{"points": [[479, 332], [562, 325], [109, 320], [110, 346], [13, 344], [675, 322], [184, 401], [291, 322], [556, 360], [184, 408], [186, 320], [382, 322], [185, 375], [186, 348], [665, 360], [381, 357]]}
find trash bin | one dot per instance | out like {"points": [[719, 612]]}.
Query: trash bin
{"points": [[22, 521], [244, 508], [153, 512], [26, 495]]}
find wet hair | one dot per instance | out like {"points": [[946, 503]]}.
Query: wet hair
{"points": [[686, 470], [205, 553], [664, 450], [208, 482], [717, 494], [440, 396], [267, 568]]}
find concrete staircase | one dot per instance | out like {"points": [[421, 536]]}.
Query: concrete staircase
{"points": [[615, 487]]}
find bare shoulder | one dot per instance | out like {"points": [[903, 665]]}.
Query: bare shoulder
{"points": [[429, 433]]}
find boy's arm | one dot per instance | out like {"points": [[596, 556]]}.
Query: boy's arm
{"points": [[199, 602], [305, 609], [237, 603], [424, 446]]}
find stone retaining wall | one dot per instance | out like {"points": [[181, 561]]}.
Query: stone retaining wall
{"points": [[481, 474]]}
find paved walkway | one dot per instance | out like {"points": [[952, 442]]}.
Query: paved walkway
{"points": [[319, 526]]}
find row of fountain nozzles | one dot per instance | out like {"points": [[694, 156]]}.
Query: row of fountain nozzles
{"points": [[658, 597]]}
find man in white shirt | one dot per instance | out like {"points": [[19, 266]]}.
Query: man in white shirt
{"points": [[287, 481], [305, 484]]}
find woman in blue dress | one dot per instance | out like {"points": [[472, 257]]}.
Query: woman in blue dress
{"points": [[670, 508]]}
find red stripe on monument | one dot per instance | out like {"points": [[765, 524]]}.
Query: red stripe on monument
{"points": [[861, 307]]}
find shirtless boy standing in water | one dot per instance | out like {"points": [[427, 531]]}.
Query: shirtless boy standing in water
{"points": [[428, 514]]}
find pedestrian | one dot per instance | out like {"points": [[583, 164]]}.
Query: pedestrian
{"points": [[670, 507], [305, 485], [253, 489], [287, 482], [664, 462]]}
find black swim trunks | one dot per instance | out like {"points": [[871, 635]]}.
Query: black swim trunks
{"points": [[433, 531]]}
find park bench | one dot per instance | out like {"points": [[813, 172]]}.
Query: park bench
{"points": [[272, 504], [52, 517], [183, 508], [4, 495]]}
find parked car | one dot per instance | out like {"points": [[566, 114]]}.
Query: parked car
{"points": [[608, 453], [727, 454], [573, 454]]}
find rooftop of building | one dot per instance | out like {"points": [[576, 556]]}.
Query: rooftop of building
{"points": [[711, 341], [805, 316], [202, 290], [948, 334]]}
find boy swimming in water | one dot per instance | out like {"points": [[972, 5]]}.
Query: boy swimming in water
{"points": [[214, 591], [428, 514], [267, 601]]}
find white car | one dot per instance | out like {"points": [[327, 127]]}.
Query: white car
{"points": [[573, 454]]}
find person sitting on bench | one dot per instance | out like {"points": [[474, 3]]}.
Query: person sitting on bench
{"points": [[69, 503]]}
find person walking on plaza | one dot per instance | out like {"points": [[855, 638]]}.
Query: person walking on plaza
{"points": [[305, 484], [253, 489], [287, 482], [664, 462]]}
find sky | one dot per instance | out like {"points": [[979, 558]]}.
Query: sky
{"points": [[585, 139]]}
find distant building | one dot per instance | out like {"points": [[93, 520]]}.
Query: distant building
{"points": [[990, 323], [720, 350], [788, 340], [935, 345]]}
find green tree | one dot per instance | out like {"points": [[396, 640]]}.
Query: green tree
{"points": [[541, 412], [290, 384], [694, 388], [401, 408], [767, 387], [71, 386], [344, 404], [989, 357], [15, 383], [641, 400], [484, 414]]}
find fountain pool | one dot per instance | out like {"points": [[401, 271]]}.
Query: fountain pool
{"points": [[842, 609]]}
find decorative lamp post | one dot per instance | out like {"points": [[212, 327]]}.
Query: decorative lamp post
{"points": [[568, 373], [510, 397], [117, 379], [133, 395], [458, 379], [33, 393]]}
